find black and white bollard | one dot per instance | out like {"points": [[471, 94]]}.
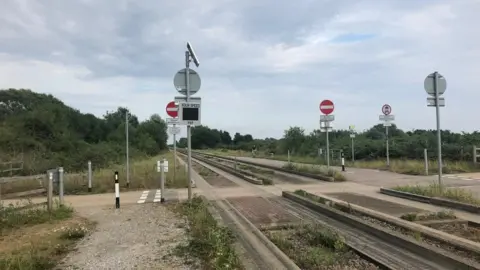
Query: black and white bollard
{"points": [[343, 162], [117, 191]]}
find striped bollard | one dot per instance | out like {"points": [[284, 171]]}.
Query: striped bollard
{"points": [[117, 191]]}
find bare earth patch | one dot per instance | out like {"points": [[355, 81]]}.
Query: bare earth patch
{"points": [[134, 237]]}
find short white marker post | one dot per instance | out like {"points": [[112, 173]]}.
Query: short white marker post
{"points": [[343, 161], [60, 185], [117, 191], [89, 176]]}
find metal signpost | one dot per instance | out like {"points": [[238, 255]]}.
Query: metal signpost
{"points": [[435, 85], [172, 111], [387, 119], [127, 169], [326, 107], [352, 136], [188, 82]]}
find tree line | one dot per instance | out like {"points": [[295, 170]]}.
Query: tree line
{"points": [[368, 145], [44, 133]]}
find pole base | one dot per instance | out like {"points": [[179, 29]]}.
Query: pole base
{"points": [[117, 202], [128, 185], [343, 168], [89, 189], [162, 200]]}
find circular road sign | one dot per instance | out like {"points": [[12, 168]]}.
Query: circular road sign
{"points": [[180, 83], [428, 84], [326, 106], [386, 109], [172, 109]]}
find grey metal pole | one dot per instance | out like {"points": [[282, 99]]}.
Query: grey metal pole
{"points": [[425, 156], [189, 139], [162, 181], [388, 150], [127, 156], [89, 176], [353, 151], [174, 154], [439, 136], [60, 185], [327, 125], [50, 191]]}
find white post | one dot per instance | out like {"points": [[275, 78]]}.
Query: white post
{"points": [[60, 185], [89, 176], [50, 191], [117, 191], [343, 161]]}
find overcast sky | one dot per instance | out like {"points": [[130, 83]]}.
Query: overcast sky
{"points": [[265, 64]]}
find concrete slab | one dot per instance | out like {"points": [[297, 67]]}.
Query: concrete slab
{"points": [[383, 206]]}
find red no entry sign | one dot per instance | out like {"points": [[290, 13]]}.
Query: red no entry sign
{"points": [[172, 109], [326, 106], [386, 109]]}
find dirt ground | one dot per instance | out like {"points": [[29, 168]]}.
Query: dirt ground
{"points": [[140, 236]]}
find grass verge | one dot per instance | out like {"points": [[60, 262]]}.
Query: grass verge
{"points": [[433, 190], [211, 243], [410, 167], [315, 169], [33, 238], [143, 175], [316, 247]]}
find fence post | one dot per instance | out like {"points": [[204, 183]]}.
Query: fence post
{"points": [[117, 191], [288, 155], [425, 156], [50, 191], [89, 176], [60, 185]]}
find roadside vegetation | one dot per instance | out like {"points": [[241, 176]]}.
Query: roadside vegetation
{"points": [[143, 175], [32, 238], [433, 190], [312, 169], [316, 247], [208, 241], [406, 148]]}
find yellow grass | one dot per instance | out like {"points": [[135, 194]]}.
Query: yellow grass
{"points": [[143, 175], [411, 167], [36, 239]]}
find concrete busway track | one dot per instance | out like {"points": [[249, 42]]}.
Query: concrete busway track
{"points": [[370, 242], [261, 253], [294, 174]]}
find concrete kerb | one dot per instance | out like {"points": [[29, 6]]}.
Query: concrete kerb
{"points": [[309, 175], [271, 246], [457, 242], [432, 200], [402, 241], [230, 170]]}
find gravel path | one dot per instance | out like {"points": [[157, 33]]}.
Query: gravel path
{"points": [[134, 237]]}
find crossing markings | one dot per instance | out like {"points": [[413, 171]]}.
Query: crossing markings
{"points": [[157, 196], [149, 196], [144, 196]]}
